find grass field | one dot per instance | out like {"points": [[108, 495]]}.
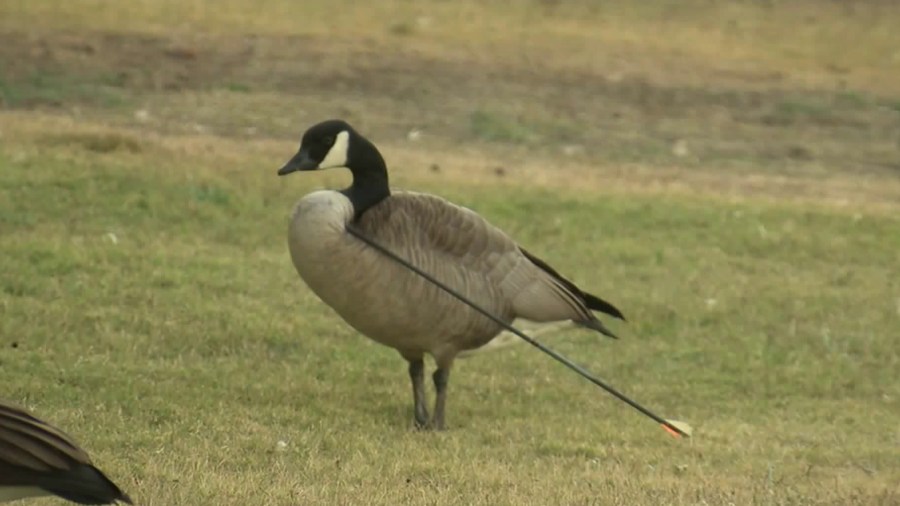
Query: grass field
{"points": [[727, 173]]}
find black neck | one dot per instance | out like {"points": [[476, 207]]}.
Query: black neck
{"points": [[370, 178]]}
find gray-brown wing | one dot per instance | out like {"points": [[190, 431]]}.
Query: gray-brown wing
{"points": [[416, 223], [440, 224], [411, 223], [593, 302]]}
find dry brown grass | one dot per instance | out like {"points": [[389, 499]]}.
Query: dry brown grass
{"points": [[413, 166], [805, 42]]}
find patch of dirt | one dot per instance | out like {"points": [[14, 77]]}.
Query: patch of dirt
{"points": [[631, 117]]}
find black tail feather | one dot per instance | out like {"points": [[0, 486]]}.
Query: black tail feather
{"points": [[597, 325], [598, 304], [592, 301], [84, 484]]}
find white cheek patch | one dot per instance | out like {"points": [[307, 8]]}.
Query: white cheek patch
{"points": [[337, 155]]}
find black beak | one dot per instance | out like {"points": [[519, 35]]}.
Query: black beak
{"points": [[300, 161]]}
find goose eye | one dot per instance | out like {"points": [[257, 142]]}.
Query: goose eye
{"points": [[328, 140]]}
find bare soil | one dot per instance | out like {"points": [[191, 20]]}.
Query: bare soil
{"points": [[739, 121]]}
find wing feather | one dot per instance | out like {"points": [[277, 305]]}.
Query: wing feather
{"points": [[431, 230], [30, 443]]}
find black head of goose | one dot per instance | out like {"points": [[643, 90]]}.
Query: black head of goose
{"points": [[37, 459], [390, 304], [335, 143]]}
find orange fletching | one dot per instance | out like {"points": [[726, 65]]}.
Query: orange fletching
{"points": [[670, 430]]}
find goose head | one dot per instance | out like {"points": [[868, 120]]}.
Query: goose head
{"points": [[327, 145], [334, 143]]}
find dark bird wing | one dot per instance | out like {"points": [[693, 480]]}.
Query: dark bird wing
{"points": [[34, 454]]}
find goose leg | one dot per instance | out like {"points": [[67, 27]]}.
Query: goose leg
{"points": [[440, 377], [417, 375]]}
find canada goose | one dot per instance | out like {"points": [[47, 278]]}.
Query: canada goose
{"points": [[37, 459], [386, 302]]}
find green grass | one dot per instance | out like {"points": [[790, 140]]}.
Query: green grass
{"points": [[498, 127], [150, 308], [49, 89], [494, 127], [184, 350]]}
